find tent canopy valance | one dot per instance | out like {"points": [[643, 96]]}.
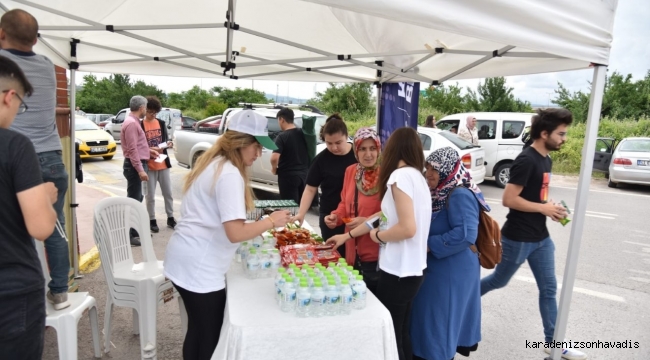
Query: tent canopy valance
{"points": [[324, 40]]}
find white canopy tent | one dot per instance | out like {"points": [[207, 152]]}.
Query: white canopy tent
{"points": [[339, 40]]}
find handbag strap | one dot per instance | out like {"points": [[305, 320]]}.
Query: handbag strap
{"points": [[356, 201]]}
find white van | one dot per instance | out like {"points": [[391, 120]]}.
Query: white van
{"points": [[171, 117], [499, 135]]}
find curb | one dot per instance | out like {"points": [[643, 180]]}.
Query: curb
{"points": [[89, 261]]}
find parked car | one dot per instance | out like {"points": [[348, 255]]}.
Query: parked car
{"points": [[627, 161], [187, 123], [98, 118], [102, 124], [209, 122], [499, 135], [171, 117], [189, 144], [472, 157], [93, 141]]}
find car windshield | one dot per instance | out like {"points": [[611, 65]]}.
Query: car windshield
{"points": [[641, 145], [462, 144], [81, 124]]}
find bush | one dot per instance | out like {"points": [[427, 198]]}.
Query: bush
{"points": [[197, 114], [568, 159], [215, 108]]}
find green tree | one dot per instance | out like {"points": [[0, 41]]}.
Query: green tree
{"points": [[215, 108], [352, 98], [623, 98], [494, 96], [111, 94], [232, 98], [446, 99]]}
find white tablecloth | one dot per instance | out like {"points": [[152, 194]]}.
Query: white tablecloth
{"points": [[255, 328]]}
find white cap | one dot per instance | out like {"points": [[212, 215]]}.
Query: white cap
{"points": [[249, 122]]}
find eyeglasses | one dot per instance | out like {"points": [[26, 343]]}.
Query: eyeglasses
{"points": [[23, 107]]}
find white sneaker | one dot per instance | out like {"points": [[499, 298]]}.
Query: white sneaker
{"points": [[569, 354]]}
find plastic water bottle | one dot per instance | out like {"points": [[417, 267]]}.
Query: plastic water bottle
{"points": [[288, 296], [275, 261], [359, 291], [252, 265], [243, 251], [303, 299], [265, 264], [317, 300], [279, 283], [346, 297], [332, 307]]}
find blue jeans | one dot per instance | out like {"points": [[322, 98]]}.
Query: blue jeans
{"points": [[22, 327], [56, 246], [541, 258]]}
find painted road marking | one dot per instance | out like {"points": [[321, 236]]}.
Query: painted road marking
{"points": [[643, 280], [604, 191], [593, 293], [594, 214], [636, 243], [639, 271], [158, 198]]}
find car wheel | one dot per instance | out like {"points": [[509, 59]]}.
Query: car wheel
{"points": [[502, 175], [611, 184], [195, 157], [108, 157]]}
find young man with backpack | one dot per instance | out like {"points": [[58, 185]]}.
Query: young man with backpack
{"points": [[525, 235]]}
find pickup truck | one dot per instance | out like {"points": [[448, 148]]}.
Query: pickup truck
{"points": [[189, 144]]}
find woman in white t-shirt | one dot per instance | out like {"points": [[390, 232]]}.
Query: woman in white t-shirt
{"points": [[215, 200], [406, 204]]}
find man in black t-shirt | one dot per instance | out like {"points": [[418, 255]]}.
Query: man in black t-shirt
{"points": [[26, 212], [291, 160], [524, 235]]}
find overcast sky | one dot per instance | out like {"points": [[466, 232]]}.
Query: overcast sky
{"points": [[630, 55]]}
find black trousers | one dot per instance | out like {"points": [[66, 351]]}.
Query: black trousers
{"points": [[133, 183], [22, 328], [397, 294], [204, 320], [292, 186]]}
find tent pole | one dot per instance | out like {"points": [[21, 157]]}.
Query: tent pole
{"points": [[593, 119], [71, 186], [231, 22]]}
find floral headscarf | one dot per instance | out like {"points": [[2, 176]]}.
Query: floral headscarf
{"points": [[367, 178], [452, 174]]}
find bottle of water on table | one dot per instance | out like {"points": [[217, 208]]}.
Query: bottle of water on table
{"points": [[359, 291], [265, 264], [346, 297], [317, 300], [332, 307], [252, 264], [289, 297], [279, 283], [303, 299], [275, 261]]}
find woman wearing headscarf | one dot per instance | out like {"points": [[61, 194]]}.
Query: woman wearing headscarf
{"points": [[359, 201], [446, 313]]}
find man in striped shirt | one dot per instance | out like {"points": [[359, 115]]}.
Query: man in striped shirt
{"points": [[18, 35]]}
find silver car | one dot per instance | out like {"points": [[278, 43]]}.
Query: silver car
{"points": [[629, 163]]}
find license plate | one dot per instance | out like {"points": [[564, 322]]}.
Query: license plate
{"points": [[97, 149], [643, 162], [479, 161]]}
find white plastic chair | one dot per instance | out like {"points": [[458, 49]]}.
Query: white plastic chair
{"points": [[140, 286], [65, 321]]}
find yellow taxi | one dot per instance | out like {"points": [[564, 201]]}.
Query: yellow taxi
{"points": [[92, 140]]}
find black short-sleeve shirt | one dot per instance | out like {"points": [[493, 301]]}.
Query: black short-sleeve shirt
{"points": [[328, 172], [20, 269], [294, 158], [531, 170]]}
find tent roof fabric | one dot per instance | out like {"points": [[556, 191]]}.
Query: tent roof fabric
{"points": [[338, 40]]}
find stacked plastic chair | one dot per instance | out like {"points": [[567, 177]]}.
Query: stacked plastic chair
{"points": [[140, 286], [66, 321]]}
